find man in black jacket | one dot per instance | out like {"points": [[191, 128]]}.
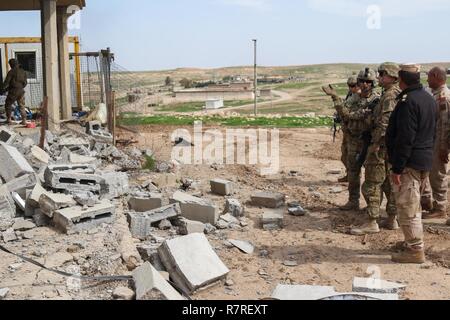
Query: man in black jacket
{"points": [[410, 141]]}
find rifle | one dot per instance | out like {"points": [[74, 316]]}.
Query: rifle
{"points": [[366, 136], [336, 122]]}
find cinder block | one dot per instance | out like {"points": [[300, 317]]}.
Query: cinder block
{"points": [[234, 207], [7, 136], [268, 200], [196, 209], [75, 219], [221, 187], [141, 222], [50, 202], [73, 180], [139, 204], [13, 164], [116, 184]]}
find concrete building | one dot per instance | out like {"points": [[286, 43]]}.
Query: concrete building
{"points": [[55, 51], [192, 95]]}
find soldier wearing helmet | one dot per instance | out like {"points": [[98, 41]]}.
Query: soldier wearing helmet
{"points": [[377, 168], [358, 119], [15, 83]]}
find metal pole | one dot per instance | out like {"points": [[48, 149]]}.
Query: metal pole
{"points": [[255, 84]]}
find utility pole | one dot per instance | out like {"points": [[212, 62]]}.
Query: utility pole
{"points": [[255, 83]]}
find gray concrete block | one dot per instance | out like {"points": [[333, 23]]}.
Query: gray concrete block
{"points": [[273, 219], [117, 184], [196, 209], [16, 166], [141, 222], [371, 285], [33, 198], [40, 155], [50, 202], [268, 200], [234, 207], [7, 206], [73, 180], [75, 219], [7, 136], [191, 262], [221, 187], [139, 204], [21, 184], [186, 227], [149, 283], [40, 219], [244, 246], [72, 142]]}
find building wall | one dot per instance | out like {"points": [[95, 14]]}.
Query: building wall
{"points": [[194, 96]]}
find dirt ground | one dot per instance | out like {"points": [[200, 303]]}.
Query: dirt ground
{"points": [[318, 242]]}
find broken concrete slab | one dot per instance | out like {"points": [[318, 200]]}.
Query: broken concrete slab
{"points": [[117, 184], [141, 204], [33, 199], [7, 207], [86, 198], [123, 293], [20, 184], [372, 285], [17, 164], [50, 202], [3, 293], [302, 293], [165, 180], [186, 227], [141, 222], [221, 187], [19, 201], [21, 224], [273, 219], [147, 280], [76, 219], [196, 209], [234, 207], [72, 143], [191, 262], [244, 246], [9, 235], [75, 158], [268, 199], [228, 218], [40, 155], [41, 219]]}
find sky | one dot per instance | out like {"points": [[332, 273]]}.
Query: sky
{"points": [[167, 34]]}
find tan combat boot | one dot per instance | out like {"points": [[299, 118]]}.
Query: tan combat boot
{"points": [[369, 228], [410, 255], [427, 204], [435, 214], [350, 206], [390, 223]]}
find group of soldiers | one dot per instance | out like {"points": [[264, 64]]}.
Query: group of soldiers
{"points": [[401, 137], [14, 84]]}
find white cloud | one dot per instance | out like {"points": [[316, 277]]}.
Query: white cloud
{"points": [[389, 8], [251, 4]]}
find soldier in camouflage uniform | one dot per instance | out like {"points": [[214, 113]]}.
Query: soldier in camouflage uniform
{"points": [[15, 83], [358, 119], [377, 176], [352, 97]]}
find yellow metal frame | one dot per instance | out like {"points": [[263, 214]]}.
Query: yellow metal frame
{"points": [[74, 40]]}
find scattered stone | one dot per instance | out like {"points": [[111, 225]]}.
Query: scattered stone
{"points": [[234, 207], [23, 225], [297, 211], [33, 199], [290, 263], [3, 293], [372, 285], [209, 228], [187, 227], [123, 293], [51, 202], [22, 183], [40, 155], [75, 219], [17, 164], [244, 246], [191, 262], [162, 167], [273, 220], [41, 219], [316, 195], [228, 218], [263, 253], [86, 198], [141, 222], [7, 136], [28, 234], [7, 206], [9, 235], [196, 209], [80, 159], [222, 225], [138, 204], [268, 200], [117, 184], [165, 225], [229, 283], [150, 283], [221, 187]]}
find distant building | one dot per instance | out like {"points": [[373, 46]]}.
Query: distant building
{"points": [[229, 91], [265, 93], [213, 104]]}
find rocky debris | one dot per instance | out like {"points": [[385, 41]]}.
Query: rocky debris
{"points": [[197, 209], [9, 235], [290, 263], [86, 198], [17, 164], [123, 293], [234, 207], [95, 129], [221, 187], [74, 178], [209, 228], [165, 225], [186, 184], [244, 246], [116, 184], [141, 222], [268, 200], [143, 204], [21, 224], [41, 219], [7, 136], [273, 220], [297, 211], [50, 202], [372, 285], [191, 262], [150, 285], [39, 155], [3, 293]]}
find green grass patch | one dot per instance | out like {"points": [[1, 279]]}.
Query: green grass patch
{"points": [[283, 122], [198, 106], [149, 164]]}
